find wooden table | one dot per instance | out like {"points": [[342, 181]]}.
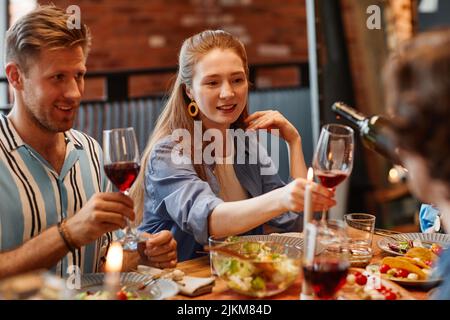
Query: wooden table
{"points": [[200, 268]]}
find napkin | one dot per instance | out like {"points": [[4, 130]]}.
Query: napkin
{"points": [[195, 286], [189, 286]]}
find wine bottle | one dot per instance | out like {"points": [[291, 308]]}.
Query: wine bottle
{"points": [[376, 131]]}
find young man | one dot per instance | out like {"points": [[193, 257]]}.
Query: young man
{"points": [[53, 209]]}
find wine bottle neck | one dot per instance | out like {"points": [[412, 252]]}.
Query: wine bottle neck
{"points": [[350, 114]]}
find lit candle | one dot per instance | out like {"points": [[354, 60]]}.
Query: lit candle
{"points": [[113, 267], [307, 292], [307, 209]]}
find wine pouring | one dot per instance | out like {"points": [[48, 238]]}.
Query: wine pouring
{"points": [[333, 157], [121, 164], [376, 131]]}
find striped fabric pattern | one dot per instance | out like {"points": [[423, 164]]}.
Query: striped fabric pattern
{"points": [[33, 196]]}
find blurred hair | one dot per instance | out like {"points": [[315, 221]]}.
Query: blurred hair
{"points": [[175, 114], [45, 27], [417, 85]]}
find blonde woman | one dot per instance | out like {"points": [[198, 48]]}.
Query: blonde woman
{"points": [[183, 190]]}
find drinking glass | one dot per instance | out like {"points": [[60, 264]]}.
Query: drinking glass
{"points": [[326, 259], [360, 227], [333, 157], [121, 164]]}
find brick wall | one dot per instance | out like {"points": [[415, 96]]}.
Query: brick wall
{"points": [[142, 33]]}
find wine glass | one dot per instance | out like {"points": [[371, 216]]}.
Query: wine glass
{"points": [[333, 157], [326, 257], [121, 164]]}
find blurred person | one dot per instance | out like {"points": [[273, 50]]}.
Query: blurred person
{"points": [[53, 209], [417, 79], [195, 200]]}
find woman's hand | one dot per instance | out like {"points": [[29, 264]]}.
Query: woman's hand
{"points": [[294, 196], [270, 119], [160, 250]]}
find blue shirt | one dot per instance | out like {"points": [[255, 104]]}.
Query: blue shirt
{"points": [[34, 196], [176, 199], [443, 291]]}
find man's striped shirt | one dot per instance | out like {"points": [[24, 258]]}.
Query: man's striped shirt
{"points": [[33, 196]]}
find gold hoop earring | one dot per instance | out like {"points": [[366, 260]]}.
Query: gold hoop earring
{"points": [[193, 109]]}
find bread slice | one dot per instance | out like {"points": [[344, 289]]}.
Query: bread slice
{"points": [[416, 261], [399, 263], [423, 254]]}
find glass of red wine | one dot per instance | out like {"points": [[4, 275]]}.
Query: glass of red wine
{"points": [[121, 164], [333, 157], [326, 269]]}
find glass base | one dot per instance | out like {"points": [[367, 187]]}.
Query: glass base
{"points": [[129, 240]]}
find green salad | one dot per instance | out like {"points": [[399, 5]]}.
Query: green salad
{"points": [[267, 272]]}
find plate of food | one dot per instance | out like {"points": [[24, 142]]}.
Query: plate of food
{"points": [[277, 238], [414, 268], [399, 244], [92, 288], [364, 284]]}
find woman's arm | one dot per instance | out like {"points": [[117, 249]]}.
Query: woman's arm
{"points": [[296, 159], [270, 120], [236, 217]]}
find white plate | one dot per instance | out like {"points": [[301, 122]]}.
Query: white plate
{"points": [[278, 238], [162, 289], [425, 284], [439, 238]]}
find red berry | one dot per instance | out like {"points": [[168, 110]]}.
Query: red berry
{"points": [[356, 273], [361, 279], [389, 295], [384, 268], [402, 273], [121, 295]]}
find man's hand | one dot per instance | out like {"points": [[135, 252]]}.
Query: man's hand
{"points": [[104, 212], [160, 250]]}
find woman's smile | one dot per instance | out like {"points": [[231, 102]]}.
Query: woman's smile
{"points": [[227, 108]]}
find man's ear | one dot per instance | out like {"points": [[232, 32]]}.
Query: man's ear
{"points": [[14, 75]]}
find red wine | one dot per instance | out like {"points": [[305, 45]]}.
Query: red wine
{"points": [[326, 277], [332, 178], [376, 131], [122, 174]]}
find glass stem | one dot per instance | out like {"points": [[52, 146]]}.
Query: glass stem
{"points": [[324, 215], [128, 228]]}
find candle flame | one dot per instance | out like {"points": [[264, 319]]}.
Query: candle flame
{"points": [[114, 258], [310, 174]]}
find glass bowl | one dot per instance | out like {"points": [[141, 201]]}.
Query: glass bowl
{"points": [[257, 268]]}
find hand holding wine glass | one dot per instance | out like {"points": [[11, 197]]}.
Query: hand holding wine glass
{"points": [[121, 164], [333, 157]]}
